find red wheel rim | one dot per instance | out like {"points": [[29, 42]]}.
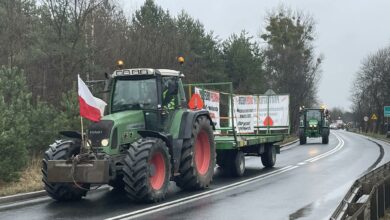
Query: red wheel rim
{"points": [[157, 174], [202, 153]]}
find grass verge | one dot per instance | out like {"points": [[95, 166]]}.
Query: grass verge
{"points": [[374, 135], [30, 180]]}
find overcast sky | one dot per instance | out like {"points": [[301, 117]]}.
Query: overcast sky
{"points": [[347, 31]]}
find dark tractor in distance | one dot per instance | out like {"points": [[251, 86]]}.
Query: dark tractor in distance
{"points": [[147, 137], [313, 124]]}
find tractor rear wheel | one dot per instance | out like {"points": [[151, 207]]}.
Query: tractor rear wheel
{"points": [[147, 170], [198, 157], [268, 158], [63, 150]]}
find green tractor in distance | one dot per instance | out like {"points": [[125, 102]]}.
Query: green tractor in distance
{"points": [[313, 124], [147, 138]]}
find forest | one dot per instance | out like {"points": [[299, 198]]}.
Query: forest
{"points": [[45, 44]]}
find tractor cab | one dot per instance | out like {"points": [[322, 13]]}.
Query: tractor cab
{"points": [[141, 102], [155, 92]]}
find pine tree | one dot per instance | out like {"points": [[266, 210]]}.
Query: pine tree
{"points": [[15, 108]]}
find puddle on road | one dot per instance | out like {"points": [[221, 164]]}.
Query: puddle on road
{"points": [[302, 212]]}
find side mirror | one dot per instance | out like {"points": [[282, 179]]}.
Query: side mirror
{"points": [[106, 75]]}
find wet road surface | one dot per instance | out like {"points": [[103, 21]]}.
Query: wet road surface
{"points": [[307, 182]]}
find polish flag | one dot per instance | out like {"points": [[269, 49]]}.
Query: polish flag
{"points": [[91, 107]]}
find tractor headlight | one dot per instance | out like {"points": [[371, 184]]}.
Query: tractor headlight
{"points": [[104, 142]]}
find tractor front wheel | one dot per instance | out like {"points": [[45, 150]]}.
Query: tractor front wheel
{"points": [[63, 150], [147, 170], [325, 139], [198, 157]]}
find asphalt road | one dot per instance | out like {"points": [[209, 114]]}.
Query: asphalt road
{"points": [[307, 182]]}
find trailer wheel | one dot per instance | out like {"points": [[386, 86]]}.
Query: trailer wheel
{"points": [[268, 158], [147, 170], [198, 157], [239, 164], [62, 150], [221, 159], [232, 162]]}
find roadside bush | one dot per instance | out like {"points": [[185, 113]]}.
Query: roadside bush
{"points": [[43, 127], [69, 115], [15, 107]]}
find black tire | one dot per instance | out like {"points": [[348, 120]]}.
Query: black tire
{"points": [[138, 172], [302, 140], [268, 158], [221, 159], [238, 169], [190, 177], [117, 183], [62, 150], [232, 163], [325, 139]]}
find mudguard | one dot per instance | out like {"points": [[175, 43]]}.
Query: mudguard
{"points": [[71, 134], [188, 120], [166, 138]]}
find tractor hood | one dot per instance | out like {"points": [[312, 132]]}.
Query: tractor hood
{"points": [[313, 123], [131, 118], [116, 129]]}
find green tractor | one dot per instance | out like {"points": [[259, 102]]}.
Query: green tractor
{"points": [[147, 138], [313, 124]]}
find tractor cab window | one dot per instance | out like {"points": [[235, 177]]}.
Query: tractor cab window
{"points": [[313, 115], [134, 94], [170, 93]]}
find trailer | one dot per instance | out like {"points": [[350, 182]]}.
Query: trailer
{"points": [[245, 125]]}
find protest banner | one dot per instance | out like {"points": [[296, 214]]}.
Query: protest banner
{"points": [[211, 101]]}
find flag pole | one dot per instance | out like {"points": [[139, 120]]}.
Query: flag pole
{"points": [[82, 133]]}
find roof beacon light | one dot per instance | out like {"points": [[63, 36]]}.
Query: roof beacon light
{"points": [[120, 64], [180, 59]]}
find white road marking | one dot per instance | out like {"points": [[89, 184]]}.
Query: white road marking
{"points": [[178, 202], [189, 199], [339, 146]]}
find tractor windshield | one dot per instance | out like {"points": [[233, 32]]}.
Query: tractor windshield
{"points": [[134, 94], [313, 115]]}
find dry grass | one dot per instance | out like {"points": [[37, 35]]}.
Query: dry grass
{"points": [[375, 135], [30, 180]]}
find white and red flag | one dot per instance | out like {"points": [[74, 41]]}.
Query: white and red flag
{"points": [[91, 107]]}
